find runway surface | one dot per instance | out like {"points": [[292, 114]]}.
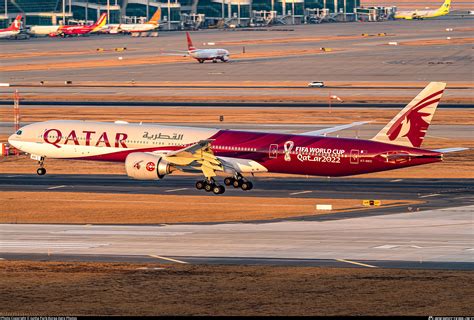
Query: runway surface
{"points": [[436, 234], [435, 239], [435, 193]]}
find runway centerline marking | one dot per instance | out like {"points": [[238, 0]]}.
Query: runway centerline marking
{"points": [[57, 187], [165, 258], [173, 190], [14, 176], [396, 180], [430, 195], [300, 192], [357, 263]]}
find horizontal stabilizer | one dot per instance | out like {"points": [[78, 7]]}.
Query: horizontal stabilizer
{"points": [[447, 150], [325, 131]]}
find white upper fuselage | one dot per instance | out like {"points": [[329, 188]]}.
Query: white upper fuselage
{"points": [[69, 139], [42, 30], [209, 54], [131, 27], [8, 33]]}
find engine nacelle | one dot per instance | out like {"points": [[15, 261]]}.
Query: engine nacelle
{"points": [[145, 166], [225, 58]]}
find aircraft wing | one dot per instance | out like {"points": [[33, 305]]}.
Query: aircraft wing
{"points": [[197, 155], [447, 150], [323, 132], [181, 53]]}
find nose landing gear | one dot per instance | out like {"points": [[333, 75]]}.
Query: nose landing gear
{"points": [[41, 171]]}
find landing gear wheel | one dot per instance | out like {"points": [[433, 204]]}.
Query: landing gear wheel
{"points": [[246, 185], [41, 171], [214, 61], [218, 189], [229, 181], [237, 183], [200, 185], [201, 61], [209, 186]]}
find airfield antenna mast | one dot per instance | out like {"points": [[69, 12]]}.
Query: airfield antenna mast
{"points": [[16, 113]]}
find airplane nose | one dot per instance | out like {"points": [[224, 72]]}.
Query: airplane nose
{"points": [[12, 141]]}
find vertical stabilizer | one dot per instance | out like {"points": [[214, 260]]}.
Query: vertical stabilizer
{"points": [[155, 19], [444, 9], [409, 127], [16, 24], [190, 42], [101, 22]]}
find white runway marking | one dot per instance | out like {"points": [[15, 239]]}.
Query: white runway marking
{"points": [[430, 195], [300, 192], [357, 263], [14, 176], [49, 245], [387, 246], [173, 190], [396, 180], [57, 187], [165, 258]]}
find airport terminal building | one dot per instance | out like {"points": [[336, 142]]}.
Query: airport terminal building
{"points": [[175, 13]]}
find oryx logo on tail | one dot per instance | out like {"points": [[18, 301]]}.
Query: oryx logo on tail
{"points": [[409, 127]]}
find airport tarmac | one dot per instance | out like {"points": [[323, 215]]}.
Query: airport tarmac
{"points": [[291, 55], [434, 193], [434, 239]]}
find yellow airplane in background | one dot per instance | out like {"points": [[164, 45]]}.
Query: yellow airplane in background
{"points": [[423, 14]]}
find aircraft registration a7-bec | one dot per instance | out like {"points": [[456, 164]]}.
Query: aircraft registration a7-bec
{"points": [[150, 152]]}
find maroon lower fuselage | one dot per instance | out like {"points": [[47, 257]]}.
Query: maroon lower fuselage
{"points": [[305, 155]]}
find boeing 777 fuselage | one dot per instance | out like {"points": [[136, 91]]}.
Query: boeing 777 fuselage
{"points": [[154, 151]]}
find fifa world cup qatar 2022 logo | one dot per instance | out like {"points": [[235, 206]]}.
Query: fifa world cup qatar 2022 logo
{"points": [[287, 147]]}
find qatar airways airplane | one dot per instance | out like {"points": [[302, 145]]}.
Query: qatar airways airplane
{"points": [[150, 152]]}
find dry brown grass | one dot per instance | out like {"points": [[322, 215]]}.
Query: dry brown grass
{"points": [[55, 288], [231, 115], [94, 208]]}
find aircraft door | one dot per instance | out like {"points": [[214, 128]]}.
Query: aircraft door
{"points": [[273, 151], [354, 156]]}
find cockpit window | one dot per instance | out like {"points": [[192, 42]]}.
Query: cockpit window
{"points": [[18, 132]]}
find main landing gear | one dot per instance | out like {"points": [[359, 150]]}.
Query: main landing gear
{"points": [[41, 171], [238, 182], [210, 185]]}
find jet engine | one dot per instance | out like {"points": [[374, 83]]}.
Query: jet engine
{"points": [[225, 58], [145, 166]]}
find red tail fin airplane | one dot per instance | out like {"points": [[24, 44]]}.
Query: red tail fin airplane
{"points": [[12, 30], [65, 31], [151, 152]]}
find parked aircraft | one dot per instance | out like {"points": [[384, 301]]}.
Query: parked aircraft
{"points": [[70, 30], [43, 30], [150, 152], [13, 30], [148, 26], [423, 14], [202, 55]]}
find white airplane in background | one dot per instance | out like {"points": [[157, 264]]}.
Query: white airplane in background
{"points": [[202, 55], [13, 30], [151, 25], [43, 30]]}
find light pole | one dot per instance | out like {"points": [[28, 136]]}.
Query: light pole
{"points": [[64, 12], [108, 11], [169, 15], [6, 9]]}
